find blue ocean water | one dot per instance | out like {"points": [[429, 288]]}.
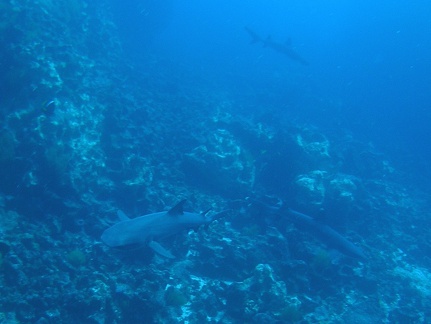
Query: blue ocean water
{"points": [[368, 69], [305, 123]]}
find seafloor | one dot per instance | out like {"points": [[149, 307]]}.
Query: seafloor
{"points": [[83, 135]]}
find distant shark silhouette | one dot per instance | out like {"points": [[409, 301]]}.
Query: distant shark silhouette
{"points": [[147, 228], [326, 234], [285, 48]]}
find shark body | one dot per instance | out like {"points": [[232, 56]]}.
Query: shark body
{"points": [[325, 233], [148, 228], [285, 49]]}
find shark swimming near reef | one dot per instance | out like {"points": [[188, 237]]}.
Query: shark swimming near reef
{"points": [[325, 233], [285, 48], [148, 228]]}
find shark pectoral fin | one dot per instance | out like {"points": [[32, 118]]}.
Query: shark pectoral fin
{"points": [[160, 250], [122, 216]]}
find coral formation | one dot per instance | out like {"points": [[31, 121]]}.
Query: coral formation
{"points": [[76, 258]]}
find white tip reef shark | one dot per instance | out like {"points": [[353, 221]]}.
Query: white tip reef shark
{"points": [[285, 48], [327, 234], [148, 228]]}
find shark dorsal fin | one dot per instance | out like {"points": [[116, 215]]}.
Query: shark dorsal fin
{"points": [[122, 216], [177, 209]]}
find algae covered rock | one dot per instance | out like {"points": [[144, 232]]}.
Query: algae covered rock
{"points": [[261, 296], [221, 164]]}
